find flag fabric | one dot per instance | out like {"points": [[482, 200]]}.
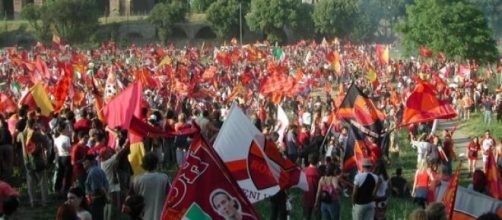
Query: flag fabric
{"points": [[278, 53], [120, 110], [282, 122], [7, 104], [451, 192], [425, 52], [63, 88], [15, 88], [464, 71], [469, 205], [365, 121], [422, 106], [493, 178], [41, 99], [382, 54], [253, 161], [205, 189]]}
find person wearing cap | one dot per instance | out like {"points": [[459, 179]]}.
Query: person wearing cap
{"points": [[365, 186]]}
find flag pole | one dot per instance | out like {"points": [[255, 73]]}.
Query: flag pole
{"points": [[325, 137]]}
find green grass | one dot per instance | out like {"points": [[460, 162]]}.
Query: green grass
{"points": [[476, 126]]}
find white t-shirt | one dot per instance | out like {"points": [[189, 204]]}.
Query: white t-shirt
{"points": [[487, 144], [421, 147], [63, 145]]}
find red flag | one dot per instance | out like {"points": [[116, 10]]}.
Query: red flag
{"points": [[120, 110], [422, 106], [451, 192], [210, 73], [464, 70], [493, 178], [204, 189], [441, 57], [425, 52], [7, 104], [382, 54], [63, 87]]}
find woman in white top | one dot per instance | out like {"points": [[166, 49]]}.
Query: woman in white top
{"points": [[62, 145], [76, 198]]}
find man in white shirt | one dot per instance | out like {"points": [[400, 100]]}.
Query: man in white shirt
{"points": [[62, 146], [421, 146], [487, 145]]}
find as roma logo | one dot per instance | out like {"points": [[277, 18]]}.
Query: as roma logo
{"points": [[258, 168]]}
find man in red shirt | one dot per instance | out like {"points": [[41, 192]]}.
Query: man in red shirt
{"points": [[313, 175], [78, 153]]}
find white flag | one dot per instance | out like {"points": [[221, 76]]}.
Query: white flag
{"points": [[254, 162]]}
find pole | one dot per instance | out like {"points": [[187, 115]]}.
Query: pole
{"points": [[324, 140], [240, 21]]}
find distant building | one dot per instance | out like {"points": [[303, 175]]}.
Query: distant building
{"points": [[12, 9]]}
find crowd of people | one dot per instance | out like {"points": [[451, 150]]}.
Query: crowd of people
{"points": [[68, 152]]}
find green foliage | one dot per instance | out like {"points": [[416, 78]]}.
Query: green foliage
{"points": [[345, 19], [165, 15], [223, 15], [305, 27], [456, 28], [200, 6], [73, 20], [271, 16], [492, 10]]}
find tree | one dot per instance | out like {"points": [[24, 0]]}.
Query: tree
{"points": [[73, 20], [305, 27], [165, 15], [271, 16], [201, 6], [454, 27], [492, 10], [344, 19], [223, 15]]}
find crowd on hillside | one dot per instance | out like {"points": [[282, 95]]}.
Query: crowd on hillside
{"points": [[67, 152]]}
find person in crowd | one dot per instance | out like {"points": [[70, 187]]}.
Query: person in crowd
{"points": [[423, 177], [488, 108], [109, 163], [422, 146], [78, 153], [96, 187], [436, 211], [76, 198], [134, 206], [487, 145], [152, 185], [382, 192], [418, 214], [489, 216], [34, 146], [66, 212], [479, 182], [399, 185], [365, 186], [442, 183], [62, 144], [168, 146], [9, 199], [448, 149], [328, 195], [472, 154], [181, 142], [312, 174], [292, 143], [6, 150]]}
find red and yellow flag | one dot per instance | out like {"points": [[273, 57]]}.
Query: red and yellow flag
{"points": [[451, 192]]}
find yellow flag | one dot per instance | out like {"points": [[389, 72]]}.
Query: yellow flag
{"points": [[165, 61], [372, 76], [42, 99], [385, 55], [135, 157]]}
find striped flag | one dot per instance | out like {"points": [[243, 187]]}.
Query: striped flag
{"points": [[38, 96], [451, 192]]}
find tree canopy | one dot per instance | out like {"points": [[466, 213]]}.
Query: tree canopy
{"points": [[73, 20], [455, 27], [271, 16], [165, 15], [223, 15]]}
